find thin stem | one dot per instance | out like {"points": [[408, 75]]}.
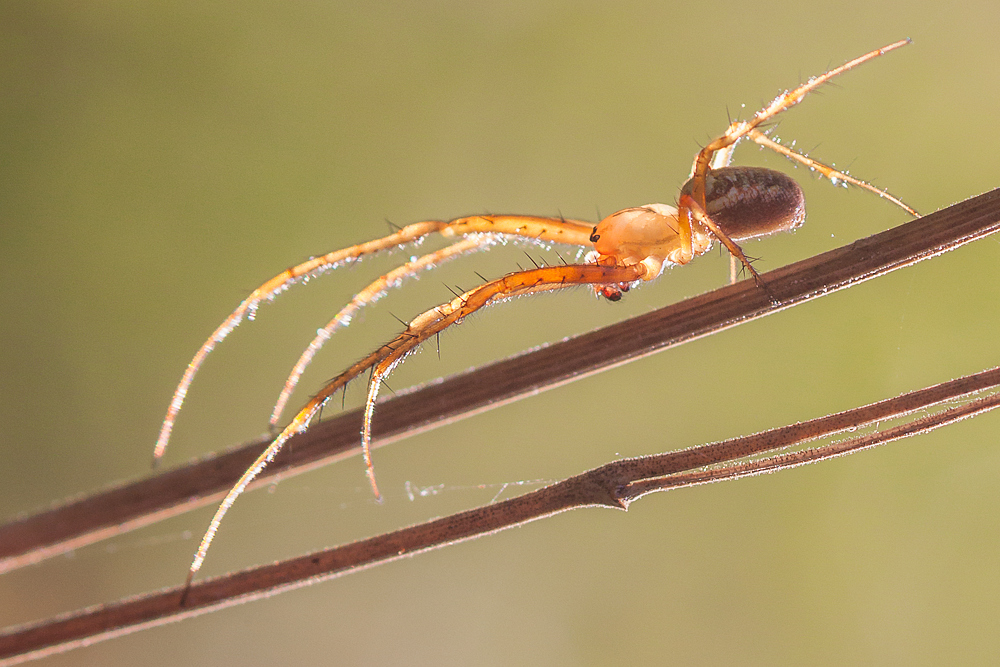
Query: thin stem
{"points": [[119, 509], [613, 485], [789, 460]]}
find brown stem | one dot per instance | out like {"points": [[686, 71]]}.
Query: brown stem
{"points": [[640, 488], [614, 485], [202, 482]]}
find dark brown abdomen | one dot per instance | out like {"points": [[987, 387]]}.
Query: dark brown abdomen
{"points": [[750, 202]]}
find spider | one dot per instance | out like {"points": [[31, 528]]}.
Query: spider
{"points": [[718, 202]]}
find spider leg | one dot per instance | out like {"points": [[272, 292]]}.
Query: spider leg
{"points": [[722, 158], [556, 230], [437, 319], [370, 294], [687, 203], [834, 175], [382, 361], [784, 101], [694, 206]]}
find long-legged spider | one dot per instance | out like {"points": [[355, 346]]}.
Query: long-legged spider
{"points": [[731, 204]]}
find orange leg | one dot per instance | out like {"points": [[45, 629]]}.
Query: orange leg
{"points": [[374, 291], [782, 102], [689, 209], [556, 230], [382, 360], [694, 207], [835, 176]]}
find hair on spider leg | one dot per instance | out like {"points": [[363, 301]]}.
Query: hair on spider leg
{"points": [[847, 169], [813, 149], [459, 294], [753, 260]]}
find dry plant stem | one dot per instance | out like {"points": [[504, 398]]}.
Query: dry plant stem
{"points": [[111, 512], [635, 490], [613, 485]]}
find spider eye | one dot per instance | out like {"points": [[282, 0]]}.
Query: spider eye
{"points": [[595, 237]]}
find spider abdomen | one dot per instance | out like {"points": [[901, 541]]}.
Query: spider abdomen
{"points": [[750, 202]]}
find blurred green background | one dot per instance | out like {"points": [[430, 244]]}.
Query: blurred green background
{"points": [[160, 160]]}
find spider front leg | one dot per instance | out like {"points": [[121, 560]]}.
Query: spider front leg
{"points": [[377, 289], [555, 230], [381, 362]]}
